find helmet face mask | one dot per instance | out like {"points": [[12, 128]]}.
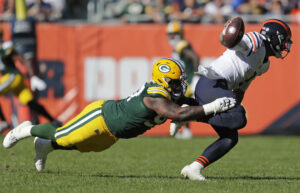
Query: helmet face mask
{"points": [[278, 34], [287, 44], [170, 74], [178, 87]]}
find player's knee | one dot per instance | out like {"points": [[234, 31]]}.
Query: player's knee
{"points": [[234, 140], [230, 141], [239, 121], [233, 119]]}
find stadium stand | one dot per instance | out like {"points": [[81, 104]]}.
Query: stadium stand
{"points": [[156, 11]]}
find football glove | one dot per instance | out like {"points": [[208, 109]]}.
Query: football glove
{"points": [[37, 84], [175, 126], [219, 105]]}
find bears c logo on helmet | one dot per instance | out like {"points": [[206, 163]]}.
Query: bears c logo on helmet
{"points": [[164, 68]]}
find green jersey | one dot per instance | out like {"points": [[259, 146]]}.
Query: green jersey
{"points": [[7, 64], [130, 117]]}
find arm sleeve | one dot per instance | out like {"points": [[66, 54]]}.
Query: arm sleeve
{"points": [[250, 43]]}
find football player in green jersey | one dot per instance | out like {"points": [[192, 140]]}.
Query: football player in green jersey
{"points": [[183, 51], [102, 123], [12, 81]]}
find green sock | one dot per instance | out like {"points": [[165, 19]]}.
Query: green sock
{"points": [[46, 131]]}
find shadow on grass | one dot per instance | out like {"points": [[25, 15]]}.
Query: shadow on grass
{"points": [[209, 178], [69, 173], [137, 176], [253, 178]]}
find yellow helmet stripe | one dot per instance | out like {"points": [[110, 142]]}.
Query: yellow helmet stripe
{"points": [[178, 62]]}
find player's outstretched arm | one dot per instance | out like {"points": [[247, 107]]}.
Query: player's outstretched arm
{"points": [[171, 110], [183, 114]]}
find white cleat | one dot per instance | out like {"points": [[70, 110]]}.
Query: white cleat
{"points": [[42, 148], [15, 135], [184, 134], [191, 174]]}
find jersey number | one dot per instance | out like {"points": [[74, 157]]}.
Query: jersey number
{"points": [[136, 93]]}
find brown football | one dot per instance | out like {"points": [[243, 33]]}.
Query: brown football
{"points": [[233, 32]]}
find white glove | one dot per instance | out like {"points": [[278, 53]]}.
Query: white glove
{"points": [[175, 126], [219, 105], [37, 84]]}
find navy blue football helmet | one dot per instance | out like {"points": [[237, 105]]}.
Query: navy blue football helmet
{"points": [[279, 36]]}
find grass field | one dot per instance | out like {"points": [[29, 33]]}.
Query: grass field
{"points": [[153, 164]]}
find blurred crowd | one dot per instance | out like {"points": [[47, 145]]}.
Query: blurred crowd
{"points": [[204, 11], [156, 11], [46, 10]]}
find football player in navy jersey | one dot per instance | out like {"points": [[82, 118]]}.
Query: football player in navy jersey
{"points": [[229, 76]]}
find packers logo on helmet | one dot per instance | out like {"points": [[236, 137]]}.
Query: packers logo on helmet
{"points": [[164, 68], [170, 73]]}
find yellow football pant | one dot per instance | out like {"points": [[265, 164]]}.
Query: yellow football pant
{"points": [[87, 131], [14, 83]]}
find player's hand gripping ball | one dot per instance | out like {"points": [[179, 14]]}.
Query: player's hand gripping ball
{"points": [[233, 32]]}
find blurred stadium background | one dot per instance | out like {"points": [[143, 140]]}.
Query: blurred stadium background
{"points": [[104, 49]]}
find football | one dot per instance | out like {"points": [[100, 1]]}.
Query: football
{"points": [[233, 32]]}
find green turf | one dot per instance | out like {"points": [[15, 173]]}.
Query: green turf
{"points": [[145, 164]]}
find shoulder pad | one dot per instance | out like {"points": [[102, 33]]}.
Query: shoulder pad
{"points": [[181, 45], [157, 91], [255, 39]]}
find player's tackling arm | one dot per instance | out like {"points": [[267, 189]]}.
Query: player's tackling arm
{"points": [[171, 110]]}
